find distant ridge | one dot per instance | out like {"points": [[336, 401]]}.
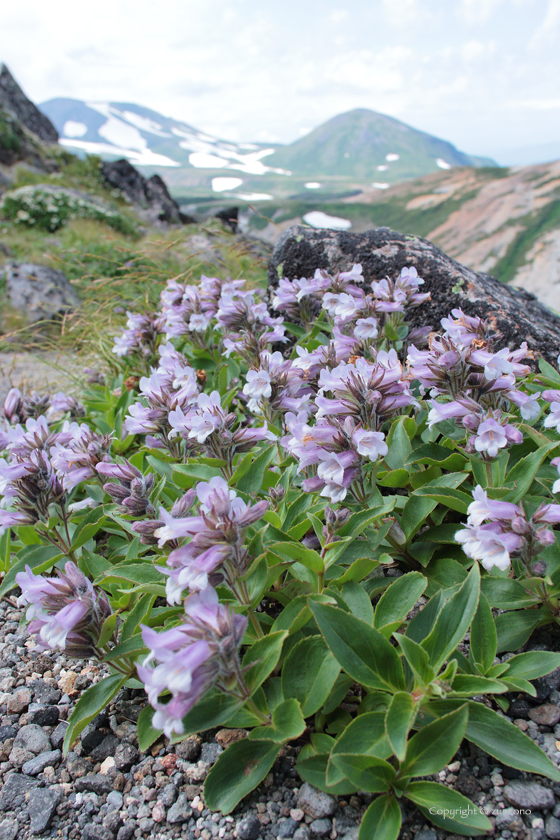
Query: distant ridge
{"points": [[360, 144], [370, 147]]}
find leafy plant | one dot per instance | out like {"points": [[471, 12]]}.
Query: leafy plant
{"points": [[261, 537]]}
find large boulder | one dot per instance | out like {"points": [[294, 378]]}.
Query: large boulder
{"points": [[150, 194], [39, 292], [14, 100], [517, 314]]}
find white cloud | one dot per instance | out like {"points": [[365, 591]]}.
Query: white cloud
{"points": [[241, 70]]}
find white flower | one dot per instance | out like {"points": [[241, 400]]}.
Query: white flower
{"points": [[370, 444], [366, 328], [258, 384], [490, 438]]}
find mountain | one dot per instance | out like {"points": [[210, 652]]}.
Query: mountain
{"points": [[368, 146], [146, 138], [360, 145]]}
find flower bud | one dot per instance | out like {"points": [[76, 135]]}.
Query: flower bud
{"points": [[539, 568], [519, 525], [545, 537], [396, 534], [183, 504]]}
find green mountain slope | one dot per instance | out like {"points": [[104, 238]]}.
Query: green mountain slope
{"points": [[356, 144]]}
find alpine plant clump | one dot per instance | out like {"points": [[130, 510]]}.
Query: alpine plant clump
{"points": [[245, 516]]}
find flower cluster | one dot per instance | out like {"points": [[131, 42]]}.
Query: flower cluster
{"points": [[131, 490], [276, 386], [496, 530], [215, 552], [140, 336], [199, 653], [478, 384], [66, 612]]}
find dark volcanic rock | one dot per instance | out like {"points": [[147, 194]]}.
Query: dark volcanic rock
{"points": [[13, 99], [14, 790], [42, 806], [517, 314], [148, 193], [38, 291], [230, 217]]}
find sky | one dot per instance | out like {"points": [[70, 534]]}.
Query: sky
{"points": [[484, 74]]}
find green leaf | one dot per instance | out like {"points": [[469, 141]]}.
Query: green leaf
{"points": [[131, 647], [361, 650], [382, 820], [460, 815], [237, 772], [296, 551], [374, 775], [262, 657], [435, 744], [423, 622], [88, 526], [358, 600], [398, 721], [417, 659], [147, 735], [522, 475], [433, 454], [107, 630], [394, 478], [468, 685], [399, 598], [533, 664], [448, 496], [514, 628], [213, 709], [415, 512], [506, 594], [497, 736], [484, 639], [287, 724], [309, 673], [454, 620], [92, 701], [40, 558], [314, 770], [252, 481], [136, 615], [132, 573]]}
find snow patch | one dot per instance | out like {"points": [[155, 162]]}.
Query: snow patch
{"points": [[145, 157], [443, 163], [144, 124], [318, 219], [221, 184], [382, 168], [74, 129], [122, 134], [254, 196], [312, 185], [392, 156], [380, 186]]}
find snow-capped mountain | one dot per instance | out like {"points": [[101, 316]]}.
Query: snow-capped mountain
{"points": [[146, 138]]}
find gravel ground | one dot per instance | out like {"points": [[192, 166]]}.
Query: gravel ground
{"points": [[46, 372], [106, 789]]}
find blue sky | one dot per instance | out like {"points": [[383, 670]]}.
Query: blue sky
{"points": [[481, 73]]}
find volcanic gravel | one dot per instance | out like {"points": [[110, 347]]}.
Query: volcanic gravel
{"points": [[105, 789]]}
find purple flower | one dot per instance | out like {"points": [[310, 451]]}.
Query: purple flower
{"points": [[78, 458], [140, 336], [132, 489], [66, 612], [484, 508], [489, 544], [199, 653], [216, 539]]}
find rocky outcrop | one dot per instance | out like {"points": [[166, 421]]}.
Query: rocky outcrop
{"points": [[14, 101], [148, 194], [517, 314], [37, 291]]}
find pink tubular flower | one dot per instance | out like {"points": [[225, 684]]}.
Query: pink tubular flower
{"points": [[200, 653], [489, 544], [484, 508], [215, 551], [66, 612]]}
